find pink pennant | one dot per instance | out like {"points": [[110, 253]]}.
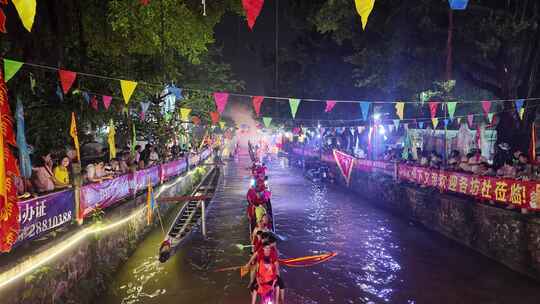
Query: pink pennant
{"points": [[257, 102], [221, 101], [215, 117], [433, 108], [141, 115], [253, 9], [107, 101], [66, 79], [94, 103], [486, 105], [329, 105], [470, 120]]}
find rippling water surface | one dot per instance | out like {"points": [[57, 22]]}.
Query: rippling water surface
{"points": [[381, 258]]}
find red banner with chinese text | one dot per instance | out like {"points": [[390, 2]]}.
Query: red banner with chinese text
{"points": [[345, 164], [522, 194]]}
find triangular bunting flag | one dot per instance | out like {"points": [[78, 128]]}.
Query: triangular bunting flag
{"points": [[86, 97], [345, 164], [396, 123], [521, 113], [184, 114], [127, 87], [459, 121], [66, 79], [364, 107], [107, 101], [215, 117], [490, 118], [400, 107], [294, 103], [433, 108], [330, 104], [253, 9], [486, 106], [27, 12], [2, 21], [196, 120], [420, 124], [221, 101], [519, 104], [94, 103], [470, 120], [59, 93], [451, 109], [222, 125], [446, 122], [11, 67], [364, 8], [435, 122], [257, 102], [267, 121]]}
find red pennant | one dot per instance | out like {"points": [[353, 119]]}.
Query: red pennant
{"points": [[486, 105], [330, 105], [145, 2], [94, 103], [215, 117], [257, 102], [196, 120], [107, 101], [433, 108], [345, 163], [2, 21], [66, 79], [253, 9]]}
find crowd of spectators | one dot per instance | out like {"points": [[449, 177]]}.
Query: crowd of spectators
{"points": [[52, 171]]}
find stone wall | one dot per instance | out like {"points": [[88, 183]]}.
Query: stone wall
{"points": [[504, 235], [81, 273]]}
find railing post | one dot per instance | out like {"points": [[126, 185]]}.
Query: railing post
{"points": [[77, 183], [203, 217]]}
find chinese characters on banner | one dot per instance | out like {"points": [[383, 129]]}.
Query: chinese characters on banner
{"points": [[522, 194]]}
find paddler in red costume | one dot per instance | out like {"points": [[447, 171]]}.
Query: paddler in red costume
{"points": [[256, 196], [267, 275]]}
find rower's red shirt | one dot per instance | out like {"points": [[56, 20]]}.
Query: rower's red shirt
{"points": [[273, 254], [253, 198]]}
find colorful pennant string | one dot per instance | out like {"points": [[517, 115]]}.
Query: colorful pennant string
{"points": [[67, 78], [106, 101], [267, 121], [364, 107], [400, 107], [184, 114], [451, 109], [486, 106], [330, 104], [215, 117]]}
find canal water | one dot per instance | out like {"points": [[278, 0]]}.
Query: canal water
{"points": [[381, 258]]}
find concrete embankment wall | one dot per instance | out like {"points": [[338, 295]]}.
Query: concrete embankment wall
{"points": [[504, 235], [80, 273]]}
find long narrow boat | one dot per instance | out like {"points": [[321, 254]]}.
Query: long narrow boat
{"points": [[189, 215]]}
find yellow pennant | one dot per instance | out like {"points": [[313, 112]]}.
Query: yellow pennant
{"points": [[521, 113], [111, 140], [74, 135], [400, 107], [27, 12], [127, 89], [364, 8], [184, 114], [435, 122], [222, 125]]}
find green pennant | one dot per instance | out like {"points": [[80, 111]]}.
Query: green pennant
{"points": [[451, 109], [267, 121], [490, 117], [11, 67], [294, 103]]}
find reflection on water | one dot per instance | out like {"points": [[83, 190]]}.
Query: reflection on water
{"points": [[134, 290], [381, 259]]}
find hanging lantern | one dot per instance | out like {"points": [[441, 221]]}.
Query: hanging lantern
{"points": [[458, 4]]}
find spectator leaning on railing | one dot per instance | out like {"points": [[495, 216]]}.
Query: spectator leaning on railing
{"points": [[42, 174], [61, 173]]}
